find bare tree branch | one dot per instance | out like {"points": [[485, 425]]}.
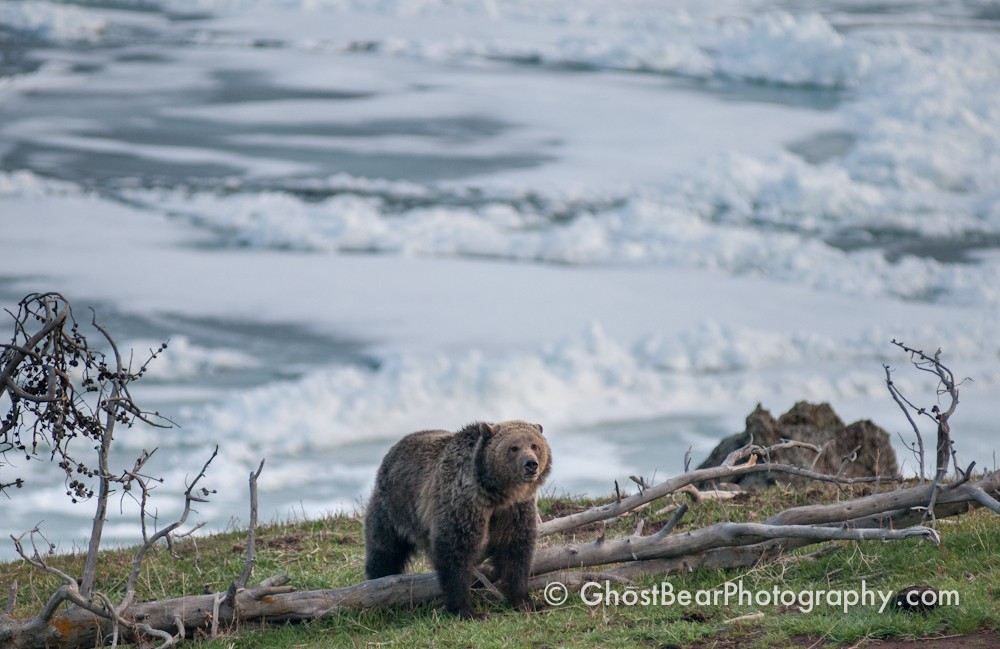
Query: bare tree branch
{"points": [[946, 385], [613, 509], [189, 499], [252, 534], [11, 598], [765, 452], [980, 496], [672, 523], [905, 406]]}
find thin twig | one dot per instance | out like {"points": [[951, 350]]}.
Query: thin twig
{"points": [[847, 459], [11, 598], [672, 523], [251, 559], [965, 476], [189, 498], [765, 451], [216, 603], [902, 403], [487, 584]]}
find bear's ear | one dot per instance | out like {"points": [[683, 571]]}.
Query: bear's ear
{"points": [[485, 430], [539, 427]]}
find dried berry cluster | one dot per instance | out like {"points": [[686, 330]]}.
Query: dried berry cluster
{"points": [[61, 395]]}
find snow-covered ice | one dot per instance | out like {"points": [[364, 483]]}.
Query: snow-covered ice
{"points": [[628, 221]]}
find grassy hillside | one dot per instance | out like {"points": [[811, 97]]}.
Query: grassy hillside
{"points": [[330, 552]]}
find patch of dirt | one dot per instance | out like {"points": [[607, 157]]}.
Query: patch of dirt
{"points": [[288, 542], [559, 508], [655, 526], [293, 542], [980, 640], [985, 639]]}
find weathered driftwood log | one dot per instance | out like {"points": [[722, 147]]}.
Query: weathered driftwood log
{"points": [[667, 487], [271, 601], [889, 502], [635, 548], [895, 509]]}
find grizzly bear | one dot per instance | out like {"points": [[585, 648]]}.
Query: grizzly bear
{"points": [[461, 497]]}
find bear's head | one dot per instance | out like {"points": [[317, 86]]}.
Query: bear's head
{"points": [[515, 453]]}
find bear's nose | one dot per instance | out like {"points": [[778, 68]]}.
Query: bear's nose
{"points": [[531, 466]]}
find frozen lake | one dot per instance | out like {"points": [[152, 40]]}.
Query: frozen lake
{"points": [[628, 221]]}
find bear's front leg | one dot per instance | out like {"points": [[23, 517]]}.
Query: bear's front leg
{"points": [[512, 547], [456, 546]]}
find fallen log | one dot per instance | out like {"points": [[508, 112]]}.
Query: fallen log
{"points": [[904, 509], [667, 487], [880, 504]]}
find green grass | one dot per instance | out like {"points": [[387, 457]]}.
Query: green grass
{"points": [[330, 552]]}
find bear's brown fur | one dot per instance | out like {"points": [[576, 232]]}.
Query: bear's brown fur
{"points": [[461, 497]]}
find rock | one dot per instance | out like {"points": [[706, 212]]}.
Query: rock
{"points": [[814, 424]]}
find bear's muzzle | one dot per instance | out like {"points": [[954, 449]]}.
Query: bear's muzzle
{"points": [[530, 469]]}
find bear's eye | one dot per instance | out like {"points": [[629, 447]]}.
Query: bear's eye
{"points": [[514, 449], [534, 447]]}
